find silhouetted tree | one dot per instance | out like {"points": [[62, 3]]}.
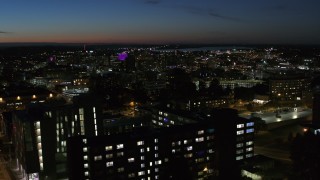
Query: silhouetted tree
{"points": [[261, 89], [215, 89], [305, 156], [244, 93], [180, 85]]}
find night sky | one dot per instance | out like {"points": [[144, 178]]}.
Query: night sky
{"points": [[161, 21]]}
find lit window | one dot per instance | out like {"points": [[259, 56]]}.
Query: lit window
{"points": [[119, 146], [150, 164], [141, 173], [119, 154], [109, 164], [240, 132], [121, 169], [85, 157], [97, 158], [156, 155], [249, 149], [142, 165], [199, 139], [142, 150], [131, 160], [155, 140], [250, 130], [108, 156], [240, 126], [85, 165], [86, 173], [185, 141], [239, 145], [210, 151], [249, 143], [148, 149], [85, 149], [199, 160], [200, 132], [157, 162], [142, 158], [189, 148], [139, 143], [131, 175], [156, 148], [239, 151], [250, 124], [108, 148], [239, 157], [249, 155], [188, 155], [210, 137]]}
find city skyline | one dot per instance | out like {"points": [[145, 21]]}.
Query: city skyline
{"points": [[160, 21]]}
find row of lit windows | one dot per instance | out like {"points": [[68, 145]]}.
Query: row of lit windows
{"points": [[241, 156], [239, 145], [109, 148], [161, 113], [95, 121], [39, 144], [249, 124]]}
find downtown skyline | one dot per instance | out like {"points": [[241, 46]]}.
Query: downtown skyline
{"points": [[160, 21]]}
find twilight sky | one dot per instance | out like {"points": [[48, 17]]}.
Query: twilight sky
{"points": [[161, 21]]}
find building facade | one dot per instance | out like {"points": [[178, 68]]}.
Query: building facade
{"points": [[41, 132], [179, 145]]}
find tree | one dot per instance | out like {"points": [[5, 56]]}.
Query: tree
{"points": [[180, 85], [305, 155], [244, 93], [215, 89]]}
